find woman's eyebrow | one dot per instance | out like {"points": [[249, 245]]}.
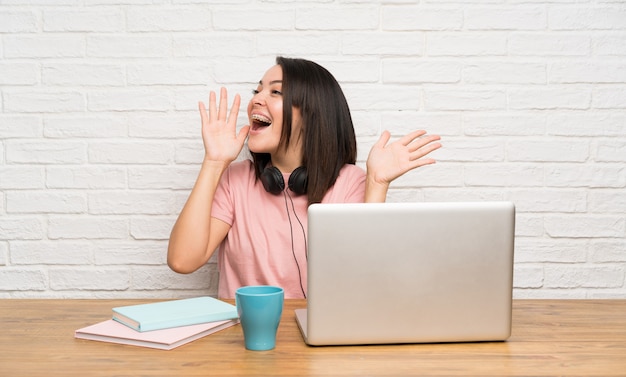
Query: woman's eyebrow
{"points": [[271, 82]]}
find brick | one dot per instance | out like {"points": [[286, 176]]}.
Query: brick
{"points": [[587, 276], [213, 45], [177, 126], [608, 97], [504, 124], [69, 74], [174, 178], [20, 126], [21, 228], [190, 153], [528, 277], [549, 98], [129, 152], [20, 177], [464, 99], [51, 253], [509, 18], [87, 227], [302, 44], [44, 46], [607, 251], [84, 125], [588, 124], [503, 175], [375, 43], [610, 44], [549, 200], [166, 74], [550, 251], [18, 21], [48, 201], [529, 225], [43, 101], [387, 97], [585, 226], [471, 151], [400, 123], [128, 46], [557, 150], [344, 72], [240, 18], [421, 18], [4, 250], [346, 17], [128, 100], [152, 228], [504, 73], [168, 19], [605, 72], [611, 151], [586, 18], [577, 175], [470, 44], [117, 202], [367, 124], [19, 73], [418, 71], [83, 20], [86, 177], [46, 152], [21, 279], [607, 201], [160, 278], [430, 176], [550, 44], [89, 279], [130, 252]]}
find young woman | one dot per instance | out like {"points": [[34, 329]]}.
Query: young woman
{"points": [[303, 147]]}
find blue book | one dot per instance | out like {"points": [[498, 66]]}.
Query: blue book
{"points": [[175, 313]]}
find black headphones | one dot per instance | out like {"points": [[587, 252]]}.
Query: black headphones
{"points": [[274, 183]]}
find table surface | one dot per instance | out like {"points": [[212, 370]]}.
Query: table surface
{"points": [[549, 338]]}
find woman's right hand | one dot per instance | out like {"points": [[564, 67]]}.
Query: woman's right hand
{"points": [[221, 141]]}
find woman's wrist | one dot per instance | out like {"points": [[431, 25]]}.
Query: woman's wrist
{"points": [[375, 191]]}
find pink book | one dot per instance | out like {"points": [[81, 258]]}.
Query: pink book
{"points": [[166, 339]]}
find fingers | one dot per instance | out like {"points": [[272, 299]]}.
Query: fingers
{"points": [[219, 111], [223, 106], [384, 138], [212, 107], [203, 114]]}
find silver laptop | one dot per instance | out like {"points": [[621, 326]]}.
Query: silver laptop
{"points": [[389, 273]]}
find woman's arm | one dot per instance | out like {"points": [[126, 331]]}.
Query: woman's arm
{"points": [[196, 234], [388, 162]]}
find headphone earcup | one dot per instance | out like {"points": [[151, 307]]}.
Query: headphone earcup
{"points": [[272, 180], [298, 181]]}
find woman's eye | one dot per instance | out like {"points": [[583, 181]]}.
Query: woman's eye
{"points": [[277, 92], [255, 91]]}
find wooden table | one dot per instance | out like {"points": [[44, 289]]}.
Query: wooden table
{"points": [[550, 338]]}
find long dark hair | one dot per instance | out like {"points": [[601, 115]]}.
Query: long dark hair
{"points": [[329, 141]]}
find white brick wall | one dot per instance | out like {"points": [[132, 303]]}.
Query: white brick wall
{"points": [[100, 142]]}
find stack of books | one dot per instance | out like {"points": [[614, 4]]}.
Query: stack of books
{"points": [[163, 325]]}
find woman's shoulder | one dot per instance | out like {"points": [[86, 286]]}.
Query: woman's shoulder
{"points": [[350, 170], [241, 168]]}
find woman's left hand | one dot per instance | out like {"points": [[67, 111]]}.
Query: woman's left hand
{"points": [[388, 162]]}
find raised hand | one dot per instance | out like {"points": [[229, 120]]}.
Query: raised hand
{"points": [[219, 128], [388, 162]]}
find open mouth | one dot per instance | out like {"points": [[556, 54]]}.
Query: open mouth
{"points": [[259, 121]]}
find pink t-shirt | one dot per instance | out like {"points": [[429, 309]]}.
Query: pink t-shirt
{"points": [[258, 248]]}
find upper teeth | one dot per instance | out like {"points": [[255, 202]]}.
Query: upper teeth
{"points": [[261, 118]]}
